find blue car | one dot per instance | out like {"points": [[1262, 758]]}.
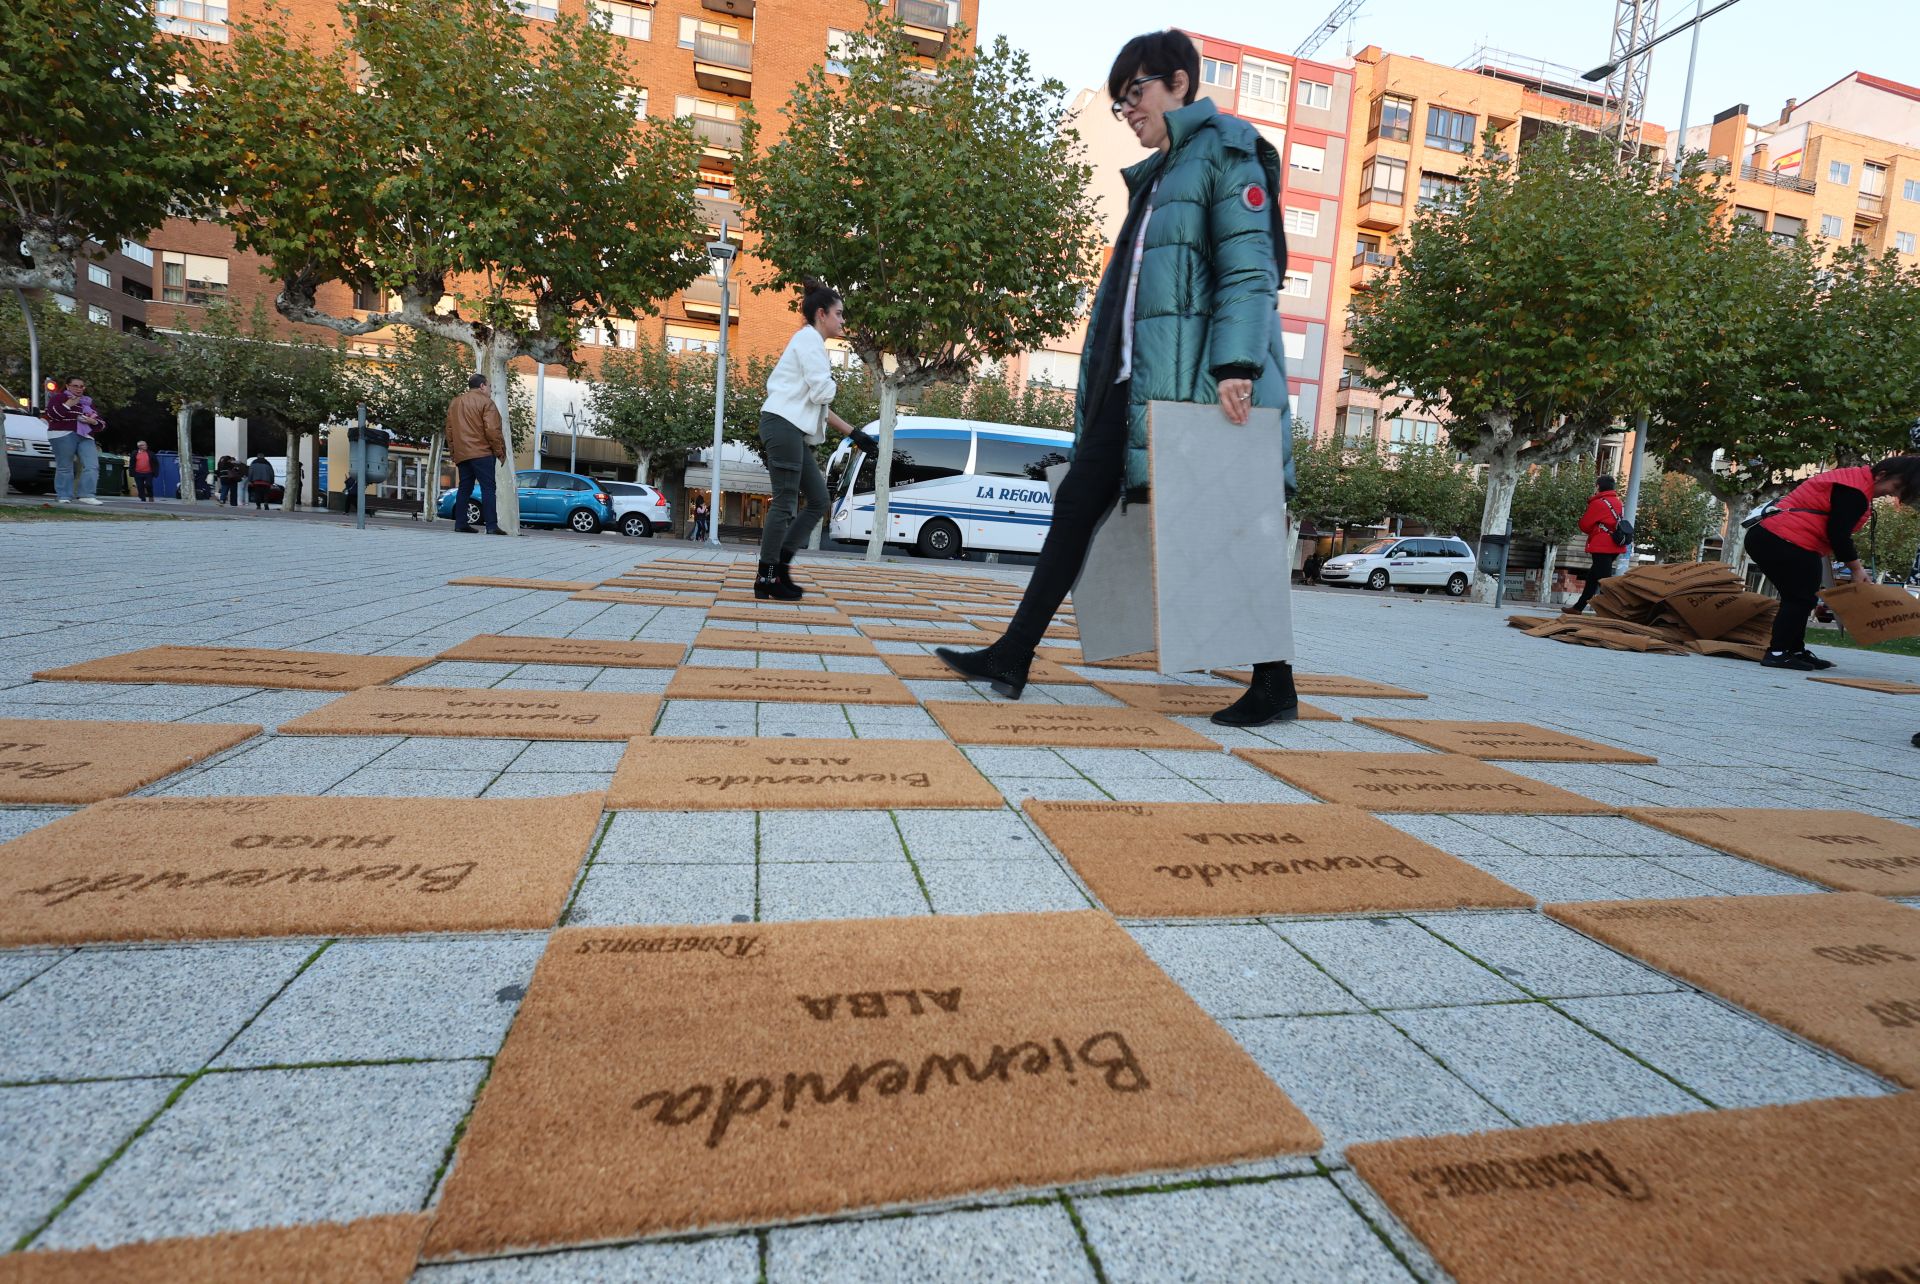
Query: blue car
{"points": [[549, 499]]}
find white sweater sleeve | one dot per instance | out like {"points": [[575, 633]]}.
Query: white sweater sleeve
{"points": [[815, 369]]}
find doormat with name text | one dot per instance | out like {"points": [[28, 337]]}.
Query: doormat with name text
{"points": [[1185, 699], [60, 760], [996, 722], [1419, 782], [931, 668], [1848, 850], [481, 712], [241, 666], [495, 648], [668, 773], [1511, 741], [790, 686], [792, 643]]}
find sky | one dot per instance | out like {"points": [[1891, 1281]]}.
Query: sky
{"points": [[1759, 52]]}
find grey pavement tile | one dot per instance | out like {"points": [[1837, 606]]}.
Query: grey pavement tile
{"points": [[275, 1147], [1000, 761], [657, 895], [436, 997], [1269, 790], [1396, 963], [1636, 877], [1629, 837], [941, 835], [927, 691], [568, 756], [733, 1260], [1535, 836], [1117, 764], [1540, 1067], [1028, 1242], [1153, 790], [272, 753], [52, 1135], [828, 836], [854, 664], [1016, 789], [1001, 887], [880, 889], [1729, 1057], [1298, 1230], [679, 838], [1452, 834], [1736, 877], [548, 784], [544, 684], [15, 821], [643, 681], [451, 753], [17, 967], [374, 782], [1412, 1251], [1549, 878], [226, 782], [1360, 1079], [1204, 765], [1242, 970], [1544, 957], [139, 1011]]}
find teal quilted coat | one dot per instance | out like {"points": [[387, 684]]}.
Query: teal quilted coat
{"points": [[1207, 304]]}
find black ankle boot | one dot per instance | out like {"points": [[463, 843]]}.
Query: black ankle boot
{"points": [[767, 584], [998, 665], [1270, 698], [782, 573]]}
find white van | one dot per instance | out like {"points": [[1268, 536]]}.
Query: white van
{"points": [[29, 457], [956, 485]]}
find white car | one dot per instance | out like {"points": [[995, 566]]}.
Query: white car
{"points": [[638, 510], [1417, 562]]}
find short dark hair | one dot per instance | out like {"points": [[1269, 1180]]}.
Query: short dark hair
{"points": [[1159, 53], [1906, 470], [1603, 482], [476, 381], [819, 298]]}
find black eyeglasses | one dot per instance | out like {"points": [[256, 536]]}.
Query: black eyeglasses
{"points": [[1135, 87]]}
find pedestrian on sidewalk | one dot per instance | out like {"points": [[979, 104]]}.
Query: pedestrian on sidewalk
{"points": [[477, 445], [1792, 539], [793, 420], [260, 482], [1601, 522], [229, 473], [144, 467], [71, 422], [699, 521], [1186, 311]]}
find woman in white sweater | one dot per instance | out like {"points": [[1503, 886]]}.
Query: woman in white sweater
{"points": [[793, 420]]}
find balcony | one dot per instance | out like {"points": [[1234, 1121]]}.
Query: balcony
{"points": [[702, 300], [1768, 178], [1369, 266], [738, 8], [722, 64], [1869, 208], [926, 25], [1382, 210], [719, 141]]}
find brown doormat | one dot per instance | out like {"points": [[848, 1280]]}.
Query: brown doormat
{"points": [[794, 643], [1419, 782], [697, 602], [1849, 850], [495, 648], [662, 1080], [54, 760], [903, 611], [788, 686], [1839, 968], [1186, 700], [140, 869], [506, 581], [240, 666], [1885, 685], [666, 773], [1335, 685], [480, 711], [1821, 1190], [375, 1250], [984, 722], [931, 668], [1513, 741], [1145, 662], [1874, 613], [1206, 860], [628, 584], [961, 635], [774, 615]]}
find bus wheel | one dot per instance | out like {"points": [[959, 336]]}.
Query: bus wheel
{"points": [[939, 538]]}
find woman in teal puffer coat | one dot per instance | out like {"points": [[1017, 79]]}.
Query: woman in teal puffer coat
{"points": [[1187, 311]]}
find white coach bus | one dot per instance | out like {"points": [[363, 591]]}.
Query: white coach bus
{"points": [[956, 485]]}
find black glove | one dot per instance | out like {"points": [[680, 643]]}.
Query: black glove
{"points": [[865, 440]]}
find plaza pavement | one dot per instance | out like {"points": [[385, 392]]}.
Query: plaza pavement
{"points": [[176, 1090]]}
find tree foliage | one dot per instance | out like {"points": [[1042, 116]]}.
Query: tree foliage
{"points": [[1895, 538], [1548, 502], [1429, 485], [114, 364], [1676, 514], [993, 398], [1339, 485], [408, 387]]}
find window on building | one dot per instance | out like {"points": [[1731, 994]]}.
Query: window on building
{"points": [[136, 289], [1315, 96], [689, 27], [200, 19], [1450, 131], [1750, 216], [1830, 226], [99, 315], [1356, 425], [1839, 172], [633, 21], [1440, 191], [1366, 244], [538, 10], [1873, 179], [1903, 242], [1391, 117], [1263, 87], [1403, 432], [691, 338], [717, 187], [371, 298], [137, 252], [1307, 158], [619, 332], [634, 99], [1298, 284], [1383, 180], [193, 279], [99, 275], [841, 356], [1787, 228], [1299, 222], [1294, 342], [1216, 73], [838, 43], [686, 106], [1054, 369], [1005, 457]]}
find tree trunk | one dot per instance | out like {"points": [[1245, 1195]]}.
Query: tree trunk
{"points": [[507, 488], [183, 442], [296, 472], [1503, 477], [883, 466], [1546, 574], [1733, 549], [430, 484]]}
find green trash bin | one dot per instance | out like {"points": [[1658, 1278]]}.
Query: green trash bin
{"points": [[113, 475]]}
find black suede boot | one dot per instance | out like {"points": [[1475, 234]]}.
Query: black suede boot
{"points": [[782, 573], [767, 584], [999, 665], [1270, 698]]}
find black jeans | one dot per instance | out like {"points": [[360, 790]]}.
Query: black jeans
{"points": [[1090, 488], [1601, 568], [796, 476], [1798, 573], [143, 486], [477, 474]]}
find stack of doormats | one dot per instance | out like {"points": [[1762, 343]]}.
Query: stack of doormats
{"points": [[1668, 610]]}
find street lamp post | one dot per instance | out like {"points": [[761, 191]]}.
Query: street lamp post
{"points": [[721, 252], [573, 438]]}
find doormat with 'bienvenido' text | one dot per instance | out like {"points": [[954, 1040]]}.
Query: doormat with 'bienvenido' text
{"points": [[61, 760], [667, 773], [481, 711], [240, 666], [1419, 782], [1513, 741]]}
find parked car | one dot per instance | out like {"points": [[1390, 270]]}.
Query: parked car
{"points": [[550, 499], [29, 457], [1418, 563], [637, 509]]}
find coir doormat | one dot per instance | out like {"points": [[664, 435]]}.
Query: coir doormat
{"points": [[661, 583], [1332, 684], [1203, 860], [1183, 699], [661, 1080], [983, 722], [481, 711], [774, 615], [686, 601], [504, 581], [1818, 1191], [1419, 782], [494, 648], [667, 773], [793, 643], [142, 869], [1886, 686], [1144, 662], [54, 760], [961, 635], [791, 686], [931, 668], [240, 666], [1841, 968], [900, 611], [1514, 741], [1849, 850], [375, 1250]]}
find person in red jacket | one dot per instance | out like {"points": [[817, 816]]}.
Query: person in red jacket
{"points": [[1604, 513], [1795, 537]]}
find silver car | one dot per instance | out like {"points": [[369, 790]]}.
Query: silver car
{"points": [[637, 509]]}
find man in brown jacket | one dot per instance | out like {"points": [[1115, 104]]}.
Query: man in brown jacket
{"points": [[475, 443]]}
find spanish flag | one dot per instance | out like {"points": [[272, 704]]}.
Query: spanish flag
{"points": [[1790, 163]]}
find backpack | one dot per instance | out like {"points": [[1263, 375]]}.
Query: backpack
{"points": [[1622, 528]]}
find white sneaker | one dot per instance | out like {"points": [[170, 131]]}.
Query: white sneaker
{"points": [[88, 499]]}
